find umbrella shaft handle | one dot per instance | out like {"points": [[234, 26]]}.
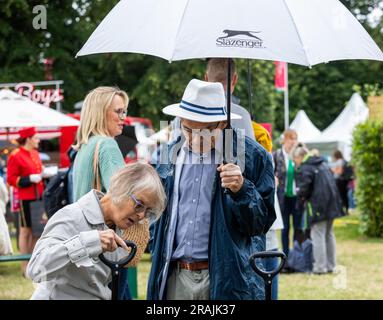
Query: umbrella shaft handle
{"points": [[115, 283], [228, 107], [228, 93], [268, 285]]}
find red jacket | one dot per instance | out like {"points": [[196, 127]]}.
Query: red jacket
{"points": [[21, 164]]}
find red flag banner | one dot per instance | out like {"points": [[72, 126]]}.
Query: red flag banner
{"points": [[280, 72]]}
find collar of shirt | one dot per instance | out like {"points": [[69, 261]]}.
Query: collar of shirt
{"points": [[286, 157], [91, 207], [285, 154], [24, 150]]}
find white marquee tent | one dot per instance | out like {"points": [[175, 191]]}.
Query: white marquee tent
{"points": [[338, 135], [306, 130]]}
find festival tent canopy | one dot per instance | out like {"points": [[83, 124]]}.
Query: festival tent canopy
{"points": [[339, 133], [18, 111]]}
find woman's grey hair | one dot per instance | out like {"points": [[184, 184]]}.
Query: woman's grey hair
{"points": [[137, 177], [299, 151]]}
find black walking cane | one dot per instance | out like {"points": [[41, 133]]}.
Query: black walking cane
{"points": [[267, 275], [116, 266]]}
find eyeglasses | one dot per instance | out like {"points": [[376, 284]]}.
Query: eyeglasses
{"points": [[197, 131], [139, 207], [121, 113]]}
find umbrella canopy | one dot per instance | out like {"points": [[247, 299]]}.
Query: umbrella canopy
{"points": [[18, 111], [305, 129], [304, 32], [295, 31]]}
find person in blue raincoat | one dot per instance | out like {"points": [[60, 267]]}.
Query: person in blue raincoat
{"points": [[217, 215]]}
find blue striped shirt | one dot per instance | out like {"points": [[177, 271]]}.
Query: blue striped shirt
{"points": [[194, 207]]}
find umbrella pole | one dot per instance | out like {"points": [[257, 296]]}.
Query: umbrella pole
{"points": [[228, 93], [228, 108], [249, 87]]}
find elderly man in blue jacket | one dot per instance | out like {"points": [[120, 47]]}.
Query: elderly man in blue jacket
{"points": [[217, 214]]}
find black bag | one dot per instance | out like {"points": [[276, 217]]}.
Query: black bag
{"points": [[55, 195], [300, 258], [348, 173], [38, 218]]}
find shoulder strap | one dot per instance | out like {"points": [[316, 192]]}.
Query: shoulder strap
{"points": [[96, 171]]}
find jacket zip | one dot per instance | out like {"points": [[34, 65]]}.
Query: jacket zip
{"points": [[211, 222]]}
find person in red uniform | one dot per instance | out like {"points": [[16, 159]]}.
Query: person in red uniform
{"points": [[24, 171]]}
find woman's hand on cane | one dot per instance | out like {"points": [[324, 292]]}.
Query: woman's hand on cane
{"points": [[110, 241]]}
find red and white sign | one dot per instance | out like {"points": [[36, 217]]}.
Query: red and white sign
{"points": [[43, 96]]}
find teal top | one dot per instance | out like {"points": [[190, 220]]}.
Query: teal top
{"points": [[109, 161]]}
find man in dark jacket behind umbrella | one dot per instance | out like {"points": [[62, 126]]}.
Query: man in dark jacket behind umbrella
{"points": [[316, 187], [217, 214]]}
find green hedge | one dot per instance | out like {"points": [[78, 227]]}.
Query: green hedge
{"points": [[367, 154]]}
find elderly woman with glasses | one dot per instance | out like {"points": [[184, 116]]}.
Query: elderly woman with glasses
{"points": [[65, 261]]}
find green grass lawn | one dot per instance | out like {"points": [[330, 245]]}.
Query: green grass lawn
{"points": [[360, 269], [360, 272], [12, 284]]}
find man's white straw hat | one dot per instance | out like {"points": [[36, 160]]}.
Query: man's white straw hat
{"points": [[202, 102]]}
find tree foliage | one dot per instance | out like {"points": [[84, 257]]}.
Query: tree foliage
{"points": [[368, 160]]}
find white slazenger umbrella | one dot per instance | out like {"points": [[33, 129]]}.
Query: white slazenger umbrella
{"points": [[18, 111], [304, 32]]}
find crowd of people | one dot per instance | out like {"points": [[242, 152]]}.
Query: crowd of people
{"points": [[207, 216]]}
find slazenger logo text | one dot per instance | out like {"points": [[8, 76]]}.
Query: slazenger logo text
{"points": [[238, 43], [241, 39]]}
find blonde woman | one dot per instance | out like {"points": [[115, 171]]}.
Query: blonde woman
{"points": [[102, 119]]}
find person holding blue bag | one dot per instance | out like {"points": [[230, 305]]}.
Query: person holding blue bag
{"points": [[316, 188]]}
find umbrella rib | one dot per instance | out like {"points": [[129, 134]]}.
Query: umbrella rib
{"points": [[299, 35], [178, 30]]}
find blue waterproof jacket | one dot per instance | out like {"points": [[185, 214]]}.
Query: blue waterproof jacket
{"points": [[238, 226]]}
